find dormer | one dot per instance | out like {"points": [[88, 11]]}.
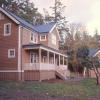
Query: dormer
{"points": [[49, 35]]}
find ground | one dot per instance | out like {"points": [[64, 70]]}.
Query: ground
{"points": [[85, 89]]}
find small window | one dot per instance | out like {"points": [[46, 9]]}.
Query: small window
{"points": [[11, 53], [42, 37], [7, 29]]}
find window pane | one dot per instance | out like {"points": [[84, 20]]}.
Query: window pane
{"points": [[7, 29]]}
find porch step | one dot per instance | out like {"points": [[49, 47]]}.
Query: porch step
{"points": [[60, 75]]}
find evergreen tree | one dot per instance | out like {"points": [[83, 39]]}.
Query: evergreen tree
{"points": [[24, 9]]}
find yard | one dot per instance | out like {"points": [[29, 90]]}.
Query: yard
{"points": [[50, 90]]}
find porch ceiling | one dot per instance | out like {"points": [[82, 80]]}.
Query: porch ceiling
{"points": [[37, 46]]}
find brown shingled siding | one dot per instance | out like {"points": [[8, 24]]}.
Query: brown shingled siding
{"points": [[37, 75], [50, 40], [44, 42], [8, 42], [9, 76], [46, 75], [31, 75]]}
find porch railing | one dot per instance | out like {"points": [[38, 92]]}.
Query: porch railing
{"points": [[39, 66]]}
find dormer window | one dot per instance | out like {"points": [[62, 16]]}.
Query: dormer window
{"points": [[7, 29], [43, 38], [33, 38]]}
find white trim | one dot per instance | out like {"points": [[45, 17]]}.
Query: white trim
{"points": [[46, 50], [2, 10], [53, 51], [58, 34], [5, 25], [43, 39], [11, 71], [19, 49], [11, 56], [52, 28], [56, 30], [34, 37]]}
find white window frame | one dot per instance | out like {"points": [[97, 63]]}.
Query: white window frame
{"points": [[42, 39], [34, 57], [11, 56], [33, 41], [7, 34]]}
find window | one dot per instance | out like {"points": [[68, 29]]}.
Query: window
{"points": [[7, 29], [33, 38], [33, 57], [53, 39], [11, 53], [42, 37]]}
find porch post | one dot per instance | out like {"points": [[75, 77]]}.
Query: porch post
{"points": [[54, 58], [40, 61], [63, 60], [59, 60], [39, 55], [48, 57]]}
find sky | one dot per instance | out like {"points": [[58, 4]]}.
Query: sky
{"points": [[84, 11]]}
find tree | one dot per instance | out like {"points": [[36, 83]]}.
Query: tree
{"points": [[97, 37], [95, 67], [90, 63], [24, 9]]}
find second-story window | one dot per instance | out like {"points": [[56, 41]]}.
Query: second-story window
{"points": [[33, 38], [43, 38], [7, 29]]}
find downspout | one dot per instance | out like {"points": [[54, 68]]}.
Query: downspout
{"points": [[19, 54]]}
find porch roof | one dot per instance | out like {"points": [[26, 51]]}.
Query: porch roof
{"points": [[34, 46]]}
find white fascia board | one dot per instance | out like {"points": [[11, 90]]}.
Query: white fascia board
{"points": [[7, 14]]}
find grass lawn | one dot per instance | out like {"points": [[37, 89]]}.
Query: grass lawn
{"points": [[69, 90]]}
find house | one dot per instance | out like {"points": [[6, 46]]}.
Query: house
{"points": [[93, 52], [29, 52]]}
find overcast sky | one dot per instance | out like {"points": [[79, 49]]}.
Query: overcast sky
{"points": [[85, 11]]}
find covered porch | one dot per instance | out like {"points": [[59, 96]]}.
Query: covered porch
{"points": [[42, 58]]}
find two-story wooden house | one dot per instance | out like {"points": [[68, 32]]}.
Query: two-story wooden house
{"points": [[29, 52]]}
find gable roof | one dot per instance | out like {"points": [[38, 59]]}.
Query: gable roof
{"points": [[93, 51], [18, 19], [45, 28]]}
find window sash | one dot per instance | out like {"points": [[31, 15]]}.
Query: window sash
{"points": [[33, 38], [43, 38], [7, 29], [11, 53]]}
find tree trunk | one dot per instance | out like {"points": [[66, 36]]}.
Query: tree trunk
{"points": [[98, 79], [97, 74]]}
